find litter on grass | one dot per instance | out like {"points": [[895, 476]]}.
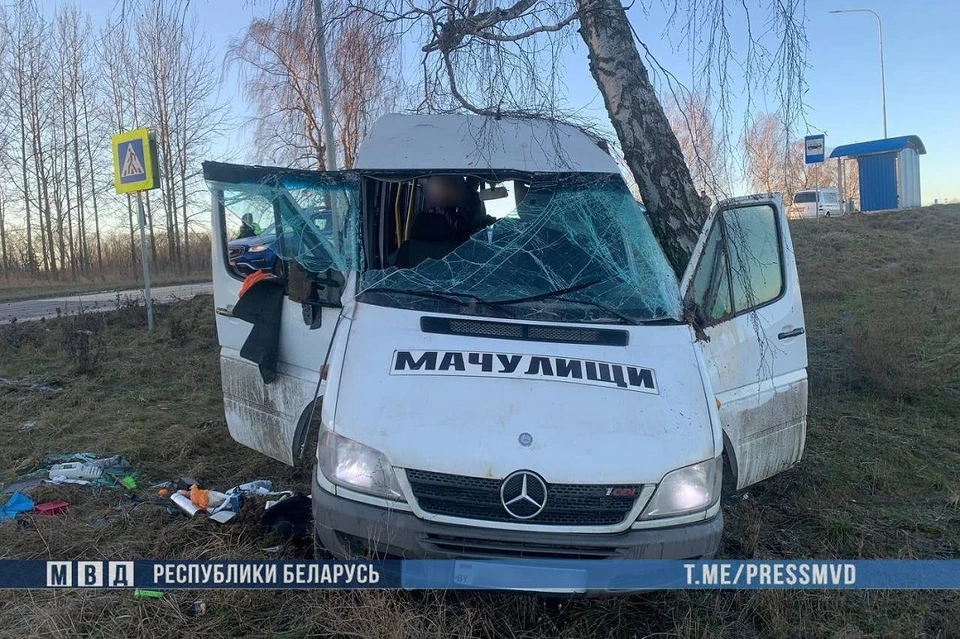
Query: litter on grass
{"points": [[221, 507], [51, 508], [86, 469], [18, 503]]}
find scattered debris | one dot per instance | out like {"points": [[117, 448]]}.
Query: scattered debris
{"points": [[198, 608], [86, 469], [291, 517], [18, 503], [223, 516], [51, 508], [26, 427], [183, 502], [75, 470], [31, 383], [147, 594]]}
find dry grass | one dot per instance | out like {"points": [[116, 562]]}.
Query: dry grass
{"points": [[879, 478]]}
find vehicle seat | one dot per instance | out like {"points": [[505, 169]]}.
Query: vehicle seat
{"points": [[431, 237]]}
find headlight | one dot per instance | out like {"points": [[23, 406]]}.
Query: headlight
{"points": [[259, 248], [352, 465], [686, 490]]}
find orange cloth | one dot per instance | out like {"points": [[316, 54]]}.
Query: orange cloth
{"points": [[199, 497], [252, 279]]}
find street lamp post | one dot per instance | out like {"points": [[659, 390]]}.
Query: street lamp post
{"points": [[883, 87]]}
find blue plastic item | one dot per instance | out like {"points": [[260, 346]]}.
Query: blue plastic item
{"points": [[18, 503]]}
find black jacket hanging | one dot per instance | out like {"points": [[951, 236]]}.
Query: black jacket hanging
{"points": [[262, 305]]}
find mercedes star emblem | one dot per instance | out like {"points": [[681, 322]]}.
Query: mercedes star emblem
{"points": [[523, 494]]}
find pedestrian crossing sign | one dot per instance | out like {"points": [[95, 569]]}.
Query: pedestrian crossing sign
{"points": [[134, 166]]}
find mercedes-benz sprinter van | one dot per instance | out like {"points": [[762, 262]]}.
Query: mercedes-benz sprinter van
{"points": [[498, 357]]}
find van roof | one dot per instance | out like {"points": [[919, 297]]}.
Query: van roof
{"points": [[472, 142]]}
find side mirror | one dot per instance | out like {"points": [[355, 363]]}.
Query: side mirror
{"points": [[328, 287]]}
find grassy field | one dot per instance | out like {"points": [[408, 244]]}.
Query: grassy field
{"points": [[30, 289], [880, 476]]}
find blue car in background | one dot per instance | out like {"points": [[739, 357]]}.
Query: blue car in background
{"points": [[257, 252]]}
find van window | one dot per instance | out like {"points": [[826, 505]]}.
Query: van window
{"points": [[711, 288], [805, 197], [829, 197], [756, 271], [267, 222], [741, 266]]}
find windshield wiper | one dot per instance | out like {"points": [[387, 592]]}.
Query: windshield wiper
{"points": [[558, 294], [452, 298], [545, 296]]}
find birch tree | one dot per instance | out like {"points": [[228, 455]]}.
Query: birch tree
{"points": [[765, 146], [277, 62], [514, 42], [692, 122]]}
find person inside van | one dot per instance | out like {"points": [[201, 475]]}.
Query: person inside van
{"points": [[452, 213], [248, 228]]}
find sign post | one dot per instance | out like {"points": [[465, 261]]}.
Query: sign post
{"points": [[814, 150], [134, 171]]}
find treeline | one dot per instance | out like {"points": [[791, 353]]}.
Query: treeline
{"points": [[68, 84], [767, 157]]}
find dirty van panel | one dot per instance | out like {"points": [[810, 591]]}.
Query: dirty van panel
{"points": [[756, 351], [300, 227], [770, 428], [264, 417]]}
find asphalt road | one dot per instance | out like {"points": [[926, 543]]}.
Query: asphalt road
{"points": [[27, 310]]}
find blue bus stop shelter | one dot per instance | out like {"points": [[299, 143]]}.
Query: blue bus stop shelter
{"points": [[889, 171]]}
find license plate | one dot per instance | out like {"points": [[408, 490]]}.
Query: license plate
{"points": [[518, 576]]}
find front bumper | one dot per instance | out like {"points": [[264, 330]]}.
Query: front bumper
{"points": [[347, 528]]}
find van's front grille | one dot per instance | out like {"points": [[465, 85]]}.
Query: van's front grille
{"points": [[484, 548], [525, 332], [479, 498]]}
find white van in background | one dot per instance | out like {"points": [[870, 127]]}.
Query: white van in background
{"points": [[815, 203], [537, 389]]}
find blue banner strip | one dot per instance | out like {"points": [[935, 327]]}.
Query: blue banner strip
{"points": [[520, 574]]}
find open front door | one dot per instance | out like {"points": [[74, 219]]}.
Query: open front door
{"points": [[743, 285], [304, 228]]}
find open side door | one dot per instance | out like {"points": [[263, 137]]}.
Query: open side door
{"points": [[304, 227], [743, 287]]}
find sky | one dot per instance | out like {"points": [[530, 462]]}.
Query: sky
{"points": [[921, 50]]}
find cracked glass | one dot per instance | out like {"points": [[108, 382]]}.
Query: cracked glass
{"points": [[575, 248]]}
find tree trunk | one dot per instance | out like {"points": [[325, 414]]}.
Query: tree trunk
{"points": [[64, 119], [3, 243], [31, 255], [93, 181], [650, 148]]}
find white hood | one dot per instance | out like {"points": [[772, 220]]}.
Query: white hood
{"points": [[463, 411]]}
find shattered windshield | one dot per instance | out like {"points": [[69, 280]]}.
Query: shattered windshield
{"points": [[575, 248]]}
